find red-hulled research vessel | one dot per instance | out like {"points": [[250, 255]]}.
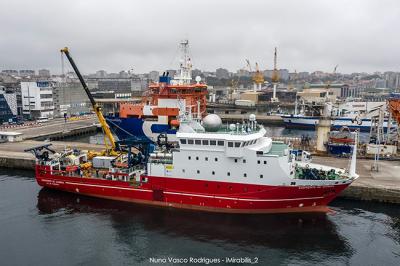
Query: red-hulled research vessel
{"points": [[233, 168]]}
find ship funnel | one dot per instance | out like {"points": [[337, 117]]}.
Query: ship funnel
{"points": [[352, 169]]}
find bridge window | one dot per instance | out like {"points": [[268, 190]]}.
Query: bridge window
{"points": [[235, 160], [213, 142], [189, 157], [190, 141], [206, 158], [244, 160], [230, 144], [258, 161], [183, 170], [237, 144], [183, 141], [216, 159], [213, 172], [205, 141], [245, 175], [221, 143], [265, 162], [261, 176], [197, 158], [198, 171], [229, 173], [197, 142]]}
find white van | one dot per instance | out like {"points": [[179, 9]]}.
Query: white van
{"points": [[42, 120]]}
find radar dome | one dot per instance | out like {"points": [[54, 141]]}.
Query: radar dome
{"points": [[252, 117], [212, 122]]}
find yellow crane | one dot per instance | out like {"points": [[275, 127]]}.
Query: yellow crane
{"points": [[97, 109], [258, 76]]}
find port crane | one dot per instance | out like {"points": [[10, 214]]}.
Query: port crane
{"points": [[97, 109], [258, 76], [275, 77]]}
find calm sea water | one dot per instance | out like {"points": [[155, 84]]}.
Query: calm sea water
{"points": [[44, 227]]}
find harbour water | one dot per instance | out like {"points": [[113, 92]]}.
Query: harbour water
{"points": [[44, 227]]}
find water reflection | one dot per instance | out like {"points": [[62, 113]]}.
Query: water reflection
{"points": [[297, 233]]}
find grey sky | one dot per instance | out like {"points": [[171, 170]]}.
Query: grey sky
{"points": [[143, 35]]}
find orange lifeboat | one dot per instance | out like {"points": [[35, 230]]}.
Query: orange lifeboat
{"points": [[174, 123]]}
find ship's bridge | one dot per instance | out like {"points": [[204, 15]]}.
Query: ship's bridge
{"points": [[233, 143]]}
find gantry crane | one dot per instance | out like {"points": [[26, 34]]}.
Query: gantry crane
{"points": [[96, 108]]}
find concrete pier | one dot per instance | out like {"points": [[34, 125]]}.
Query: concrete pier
{"points": [[382, 186], [57, 129]]}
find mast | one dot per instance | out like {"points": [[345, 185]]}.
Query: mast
{"points": [[353, 162], [184, 75]]}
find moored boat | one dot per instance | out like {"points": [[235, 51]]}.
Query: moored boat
{"points": [[212, 168]]}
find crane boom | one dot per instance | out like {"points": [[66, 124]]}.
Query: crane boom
{"points": [[96, 107]]}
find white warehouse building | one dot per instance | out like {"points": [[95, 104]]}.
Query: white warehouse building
{"points": [[37, 99]]}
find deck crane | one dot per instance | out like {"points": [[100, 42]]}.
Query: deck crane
{"points": [[97, 109]]}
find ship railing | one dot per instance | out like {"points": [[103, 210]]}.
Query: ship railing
{"points": [[161, 161], [310, 173]]}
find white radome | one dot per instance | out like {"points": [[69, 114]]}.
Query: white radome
{"points": [[252, 117], [212, 122]]}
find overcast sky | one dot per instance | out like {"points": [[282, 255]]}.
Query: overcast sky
{"points": [[119, 35]]}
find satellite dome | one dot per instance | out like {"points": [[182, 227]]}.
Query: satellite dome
{"points": [[252, 117], [212, 122]]}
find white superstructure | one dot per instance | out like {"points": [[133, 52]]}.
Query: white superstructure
{"points": [[239, 154]]}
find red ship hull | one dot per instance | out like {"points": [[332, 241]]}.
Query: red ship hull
{"points": [[198, 194]]}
